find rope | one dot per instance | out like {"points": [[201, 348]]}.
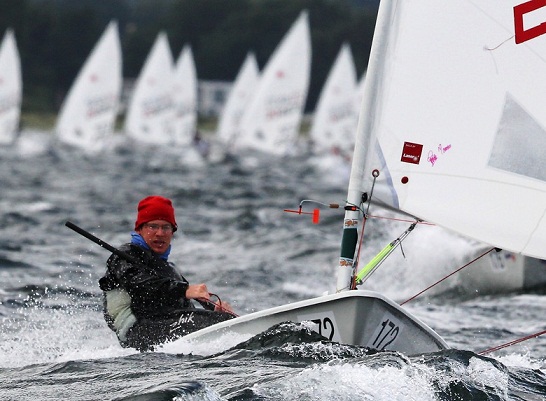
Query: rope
{"points": [[446, 277], [217, 304], [508, 344]]}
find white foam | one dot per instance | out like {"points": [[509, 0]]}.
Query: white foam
{"points": [[205, 347], [347, 381]]}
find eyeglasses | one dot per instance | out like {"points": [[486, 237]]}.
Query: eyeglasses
{"points": [[166, 228]]}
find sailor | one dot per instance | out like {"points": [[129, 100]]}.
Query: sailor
{"points": [[146, 300]]}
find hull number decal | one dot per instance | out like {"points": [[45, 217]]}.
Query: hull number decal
{"points": [[325, 327], [385, 333], [324, 324]]}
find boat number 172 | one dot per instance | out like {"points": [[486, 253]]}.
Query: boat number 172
{"points": [[385, 334], [325, 327]]}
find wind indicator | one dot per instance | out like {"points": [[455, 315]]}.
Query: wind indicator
{"points": [[316, 212]]}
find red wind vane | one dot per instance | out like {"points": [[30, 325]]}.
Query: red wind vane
{"points": [[315, 213]]}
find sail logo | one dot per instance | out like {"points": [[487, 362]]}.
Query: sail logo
{"points": [[411, 153], [520, 33], [432, 157]]}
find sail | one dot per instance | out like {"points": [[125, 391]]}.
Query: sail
{"points": [[244, 86], [272, 119], [150, 112], [88, 113], [359, 94], [11, 89], [334, 122], [453, 118], [185, 97]]}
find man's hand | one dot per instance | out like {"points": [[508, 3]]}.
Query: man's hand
{"points": [[197, 291]]}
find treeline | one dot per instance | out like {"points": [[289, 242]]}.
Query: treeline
{"points": [[55, 37]]}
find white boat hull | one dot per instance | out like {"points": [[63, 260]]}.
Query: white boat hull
{"points": [[500, 272], [363, 318]]}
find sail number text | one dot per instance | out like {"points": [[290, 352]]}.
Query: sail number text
{"points": [[385, 333], [325, 327]]}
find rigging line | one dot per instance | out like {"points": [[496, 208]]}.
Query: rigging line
{"points": [[372, 266], [449, 275], [217, 304], [401, 220], [353, 284], [513, 342]]}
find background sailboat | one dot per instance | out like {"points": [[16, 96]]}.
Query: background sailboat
{"points": [[272, 119], [244, 87], [150, 112], [185, 97], [88, 114], [335, 118], [11, 89]]}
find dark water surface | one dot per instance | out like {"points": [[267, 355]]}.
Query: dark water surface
{"points": [[54, 344]]}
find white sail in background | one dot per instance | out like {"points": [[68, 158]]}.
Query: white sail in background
{"points": [[457, 133], [185, 97], [335, 119], [150, 112], [272, 119], [88, 113], [244, 87], [11, 89]]}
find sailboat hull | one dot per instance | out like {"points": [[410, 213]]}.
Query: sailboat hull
{"points": [[503, 271], [362, 318]]}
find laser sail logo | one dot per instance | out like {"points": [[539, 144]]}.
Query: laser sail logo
{"points": [[522, 34], [411, 153]]}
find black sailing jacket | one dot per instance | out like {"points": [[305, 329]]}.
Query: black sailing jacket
{"points": [[156, 288]]}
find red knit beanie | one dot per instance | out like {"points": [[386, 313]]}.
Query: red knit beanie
{"points": [[155, 208]]}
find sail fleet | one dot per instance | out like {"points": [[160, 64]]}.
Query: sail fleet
{"points": [[263, 110]]}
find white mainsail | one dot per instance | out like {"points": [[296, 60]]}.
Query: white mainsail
{"points": [[185, 97], [453, 119], [335, 119], [244, 87], [272, 119], [88, 113], [11, 89], [359, 94], [150, 113]]}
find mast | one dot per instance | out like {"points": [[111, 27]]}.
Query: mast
{"points": [[364, 142]]}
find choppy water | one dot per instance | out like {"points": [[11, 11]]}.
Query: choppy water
{"points": [[54, 344]]}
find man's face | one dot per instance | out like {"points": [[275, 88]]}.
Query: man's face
{"points": [[157, 234]]}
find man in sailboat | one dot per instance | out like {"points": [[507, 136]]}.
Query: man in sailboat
{"points": [[146, 300]]}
